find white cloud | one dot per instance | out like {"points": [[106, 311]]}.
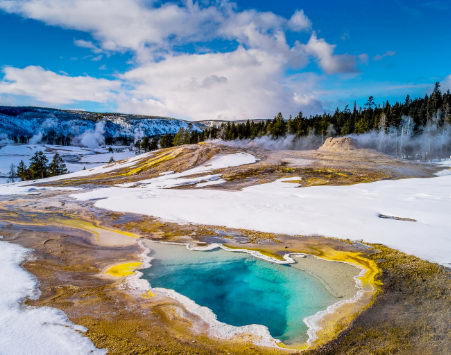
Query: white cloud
{"points": [[122, 24], [245, 83], [250, 80], [299, 21], [330, 63], [87, 44], [49, 87], [152, 30]]}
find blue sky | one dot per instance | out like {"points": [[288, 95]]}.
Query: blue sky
{"points": [[214, 60]]}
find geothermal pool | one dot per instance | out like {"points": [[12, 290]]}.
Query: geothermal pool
{"points": [[241, 289]]}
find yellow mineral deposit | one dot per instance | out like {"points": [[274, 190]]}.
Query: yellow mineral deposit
{"points": [[123, 269]]}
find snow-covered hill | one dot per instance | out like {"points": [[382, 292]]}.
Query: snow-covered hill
{"points": [[33, 124]]}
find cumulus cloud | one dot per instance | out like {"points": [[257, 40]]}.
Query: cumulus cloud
{"points": [[299, 21], [49, 87], [251, 79], [245, 83], [327, 60], [139, 25], [123, 24]]}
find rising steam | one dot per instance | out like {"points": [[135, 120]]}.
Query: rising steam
{"points": [[290, 142], [431, 142], [92, 138], [427, 143]]}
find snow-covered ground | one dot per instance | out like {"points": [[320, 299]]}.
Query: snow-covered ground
{"points": [[171, 179], [46, 330], [105, 157], [76, 158], [28, 187], [280, 207]]}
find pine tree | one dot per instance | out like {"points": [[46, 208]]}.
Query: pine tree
{"points": [[22, 171], [137, 145], [38, 166], [182, 137], [145, 144], [153, 145], [370, 103], [57, 166], [278, 126], [167, 141]]}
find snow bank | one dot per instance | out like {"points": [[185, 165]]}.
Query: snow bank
{"points": [[106, 168], [33, 330], [337, 211], [224, 161]]}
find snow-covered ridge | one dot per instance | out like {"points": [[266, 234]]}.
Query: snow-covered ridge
{"points": [[32, 121]]}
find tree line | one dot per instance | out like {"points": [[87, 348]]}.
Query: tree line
{"points": [[38, 168], [431, 109]]}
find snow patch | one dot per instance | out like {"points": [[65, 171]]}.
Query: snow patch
{"points": [[76, 158], [33, 330], [280, 207], [170, 179]]}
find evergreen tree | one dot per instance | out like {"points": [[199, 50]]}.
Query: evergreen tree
{"points": [[278, 127], [38, 166], [167, 141], [22, 171], [137, 145], [145, 144], [183, 136], [153, 144], [57, 166], [370, 104]]}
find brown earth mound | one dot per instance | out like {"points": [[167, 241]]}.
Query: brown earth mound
{"points": [[339, 144]]}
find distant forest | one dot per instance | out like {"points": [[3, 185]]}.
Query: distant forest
{"points": [[431, 110]]}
